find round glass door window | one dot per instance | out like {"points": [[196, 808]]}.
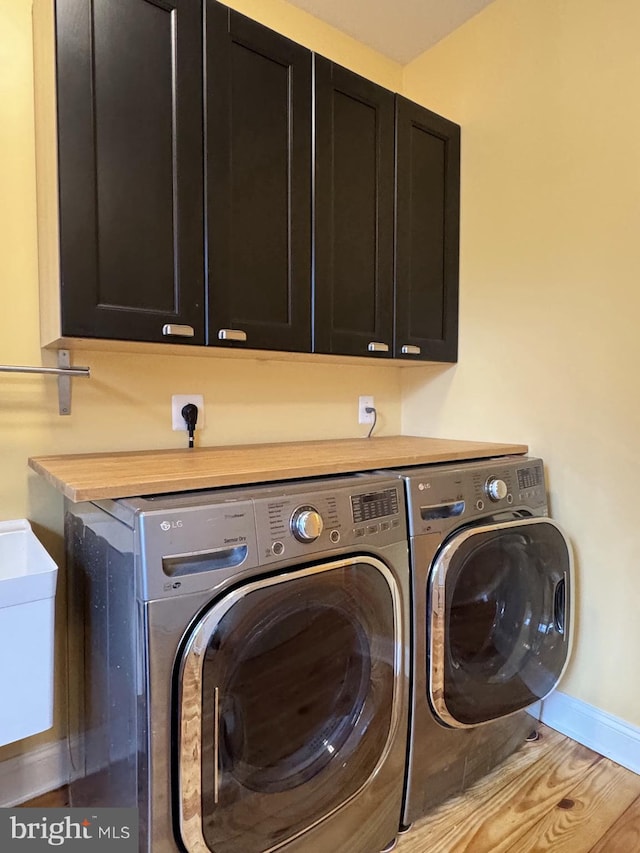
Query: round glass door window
{"points": [[499, 619], [297, 703]]}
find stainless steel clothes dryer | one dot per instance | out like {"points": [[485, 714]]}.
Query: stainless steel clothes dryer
{"points": [[245, 679], [492, 583]]}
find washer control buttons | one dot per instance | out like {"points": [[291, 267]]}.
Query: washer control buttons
{"points": [[277, 548], [480, 504], [496, 488], [334, 536], [306, 523]]}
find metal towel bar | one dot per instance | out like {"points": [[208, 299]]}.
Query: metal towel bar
{"points": [[63, 371]]}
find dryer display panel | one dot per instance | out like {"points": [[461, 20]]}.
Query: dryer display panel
{"points": [[279, 684], [500, 614]]}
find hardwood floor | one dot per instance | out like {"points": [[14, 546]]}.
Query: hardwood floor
{"points": [[552, 796]]}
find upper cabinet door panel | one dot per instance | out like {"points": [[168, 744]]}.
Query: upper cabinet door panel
{"points": [[258, 145], [427, 233], [353, 208], [130, 166]]}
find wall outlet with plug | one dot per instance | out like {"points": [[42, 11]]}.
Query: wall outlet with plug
{"points": [[364, 403], [178, 401]]}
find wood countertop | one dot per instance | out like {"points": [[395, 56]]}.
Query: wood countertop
{"points": [[92, 476]]}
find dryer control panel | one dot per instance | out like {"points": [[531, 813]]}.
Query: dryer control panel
{"points": [[442, 497]]}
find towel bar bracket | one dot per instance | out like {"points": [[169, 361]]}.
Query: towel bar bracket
{"points": [[64, 373], [64, 383]]}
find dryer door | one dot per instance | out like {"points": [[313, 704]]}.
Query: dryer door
{"points": [[500, 619], [288, 700]]}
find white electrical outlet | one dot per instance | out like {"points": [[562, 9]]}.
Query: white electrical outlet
{"points": [[363, 416], [178, 401]]}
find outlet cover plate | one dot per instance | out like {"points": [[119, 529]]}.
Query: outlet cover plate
{"points": [[363, 403], [178, 401]]}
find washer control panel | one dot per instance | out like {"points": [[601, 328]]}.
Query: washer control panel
{"points": [[297, 522], [442, 497], [374, 505], [193, 541]]}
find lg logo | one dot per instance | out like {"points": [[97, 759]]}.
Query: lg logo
{"points": [[168, 525]]}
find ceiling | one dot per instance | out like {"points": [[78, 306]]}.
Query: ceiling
{"points": [[399, 29]]}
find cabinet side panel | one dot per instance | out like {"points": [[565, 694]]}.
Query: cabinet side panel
{"points": [[44, 66]]}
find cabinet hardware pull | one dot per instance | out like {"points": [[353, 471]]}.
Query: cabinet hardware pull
{"points": [[407, 349], [376, 346], [232, 335], [177, 330]]}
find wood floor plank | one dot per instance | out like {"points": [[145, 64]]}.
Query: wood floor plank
{"points": [[494, 825], [585, 814], [624, 835]]}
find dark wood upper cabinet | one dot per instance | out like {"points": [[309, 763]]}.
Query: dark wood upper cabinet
{"points": [[353, 213], [130, 164], [182, 198], [385, 254], [426, 234], [258, 185]]}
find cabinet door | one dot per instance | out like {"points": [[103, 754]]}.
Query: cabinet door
{"points": [[129, 79], [353, 208], [258, 149], [427, 233]]}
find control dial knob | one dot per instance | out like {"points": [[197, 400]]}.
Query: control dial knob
{"points": [[306, 523], [496, 488]]}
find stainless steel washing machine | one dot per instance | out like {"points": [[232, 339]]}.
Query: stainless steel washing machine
{"points": [[244, 656], [492, 588]]}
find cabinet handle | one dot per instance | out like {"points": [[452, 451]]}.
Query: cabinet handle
{"points": [[178, 331], [407, 349], [376, 346], [232, 335]]}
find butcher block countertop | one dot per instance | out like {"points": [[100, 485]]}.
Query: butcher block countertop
{"points": [[92, 476]]}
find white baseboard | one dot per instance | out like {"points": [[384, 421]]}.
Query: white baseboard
{"points": [[610, 736], [33, 773]]}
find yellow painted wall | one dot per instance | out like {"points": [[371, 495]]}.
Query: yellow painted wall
{"points": [[126, 403], [547, 96]]}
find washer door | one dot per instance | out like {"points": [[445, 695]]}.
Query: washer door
{"points": [[288, 701], [500, 619]]}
